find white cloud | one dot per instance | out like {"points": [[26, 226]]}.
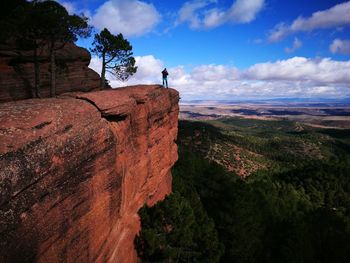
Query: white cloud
{"points": [[280, 31], [317, 71], [72, 8], [295, 77], [189, 12], [245, 11], [336, 16], [298, 76], [213, 18], [148, 71], [131, 18], [199, 16], [296, 45], [214, 72], [340, 46], [96, 64], [148, 67]]}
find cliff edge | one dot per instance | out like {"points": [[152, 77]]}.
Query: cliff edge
{"points": [[74, 170]]}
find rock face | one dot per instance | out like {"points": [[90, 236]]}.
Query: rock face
{"points": [[74, 171], [17, 72]]}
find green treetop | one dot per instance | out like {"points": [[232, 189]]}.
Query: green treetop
{"points": [[116, 54]]}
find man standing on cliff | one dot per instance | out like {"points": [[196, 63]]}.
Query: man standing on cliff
{"points": [[165, 77]]}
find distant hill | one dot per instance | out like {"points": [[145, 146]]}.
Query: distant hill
{"points": [[247, 145], [302, 101]]}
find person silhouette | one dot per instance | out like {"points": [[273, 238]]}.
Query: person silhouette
{"points": [[165, 77]]}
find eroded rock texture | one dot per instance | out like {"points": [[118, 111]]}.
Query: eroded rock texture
{"points": [[17, 72], [75, 170]]}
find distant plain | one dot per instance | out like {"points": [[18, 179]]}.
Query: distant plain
{"points": [[315, 114]]}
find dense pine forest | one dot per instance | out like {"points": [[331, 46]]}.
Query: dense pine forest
{"points": [[253, 191]]}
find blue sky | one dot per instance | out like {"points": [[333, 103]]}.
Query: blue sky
{"points": [[232, 49]]}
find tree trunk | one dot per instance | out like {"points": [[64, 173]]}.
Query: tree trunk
{"points": [[103, 72], [36, 73], [53, 73]]}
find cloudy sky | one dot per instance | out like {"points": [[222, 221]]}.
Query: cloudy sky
{"points": [[232, 49]]}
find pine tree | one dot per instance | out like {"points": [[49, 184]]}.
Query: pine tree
{"points": [[116, 54]]}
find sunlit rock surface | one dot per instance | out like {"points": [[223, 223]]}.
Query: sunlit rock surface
{"points": [[74, 171]]}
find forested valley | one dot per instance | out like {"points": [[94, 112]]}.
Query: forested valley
{"points": [[292, 203]]}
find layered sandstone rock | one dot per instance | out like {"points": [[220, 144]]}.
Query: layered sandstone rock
{"points": [[75, 170], [17, 72]]}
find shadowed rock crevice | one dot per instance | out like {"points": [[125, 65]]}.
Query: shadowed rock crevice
{"points": [[115, 118], [42, 125], [108, 117]]}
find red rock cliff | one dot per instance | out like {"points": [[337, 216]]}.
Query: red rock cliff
{"points": [[17, 72], [75, 170]]}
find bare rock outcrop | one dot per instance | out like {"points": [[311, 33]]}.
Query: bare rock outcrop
{"points": [[74, 171], [17, 72]]}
